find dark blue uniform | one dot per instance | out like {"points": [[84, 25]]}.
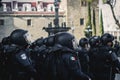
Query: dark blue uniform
{"points": [[62, 64], [84, 60], [17, 63], [103, 62]]}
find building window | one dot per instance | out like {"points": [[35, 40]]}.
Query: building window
{"points": [[14, 4], [19, 8], [115, 37], [1, 22], [25, 8], [29, 22], [9, 9], [83, 3], [82, 21], [45, 9], [51, 8], [38, 2], [33, 9]]}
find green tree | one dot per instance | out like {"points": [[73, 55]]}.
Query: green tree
{"points": [[101, 24], [90, 1], [94, 23], [89, 20], [104, 1]]}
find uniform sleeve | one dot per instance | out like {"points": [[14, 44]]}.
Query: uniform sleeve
{"points": [[115, 61], [24, 60], [74, 67]]}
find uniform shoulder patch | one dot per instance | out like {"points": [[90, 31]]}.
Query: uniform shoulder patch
{"points": [[23, 56], [72, 58], [110, 51]]}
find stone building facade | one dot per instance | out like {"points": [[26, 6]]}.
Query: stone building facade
{"points": [[33, 15], [77, 16], [29, 15]]}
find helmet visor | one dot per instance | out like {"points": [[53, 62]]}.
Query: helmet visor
{"points": [[28, 38], [75, 44]]}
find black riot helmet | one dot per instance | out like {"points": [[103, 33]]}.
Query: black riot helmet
{"points": [[83, 42], [94, 41], [38, 42], [66, 39], [19, 37], [49, 41], [6, 40], [105, 38]]}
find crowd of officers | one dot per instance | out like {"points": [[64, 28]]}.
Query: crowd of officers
{"points": [[58, 57]]}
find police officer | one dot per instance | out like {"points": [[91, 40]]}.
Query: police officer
{"points": [[117, 47], [1, 61], [17, 59], [3, 48], [105, 60], [40, 49], [62, 62], [94, 43], [83, 55]]}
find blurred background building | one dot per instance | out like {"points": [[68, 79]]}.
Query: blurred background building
{"points": [[33, 15]]}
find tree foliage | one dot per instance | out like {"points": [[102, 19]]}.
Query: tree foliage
{"points": [[90, 1], [94, 23], [104, 1], [101, 24], [89, 19]]}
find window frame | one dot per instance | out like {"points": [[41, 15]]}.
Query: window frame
{"points": [[2, 22], [83, 3], [81, 21], [29, 22]]}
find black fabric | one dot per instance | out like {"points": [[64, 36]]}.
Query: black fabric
{"points": [[103, 63], [59, 66], [15, 66], [84, 60], [53, 63], [83, 42]]}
